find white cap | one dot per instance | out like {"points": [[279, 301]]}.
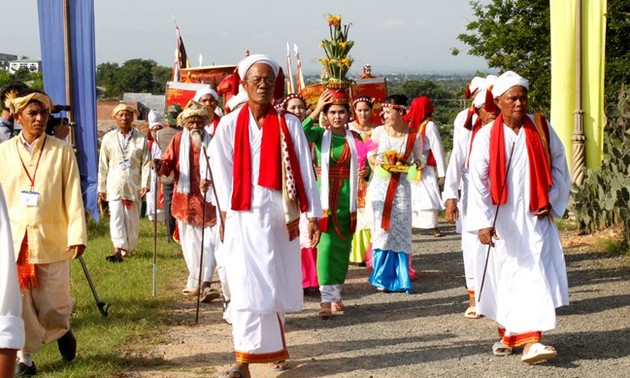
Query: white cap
{"points": [[506, 81], [246, 63], [155, 119], [480, 98]]}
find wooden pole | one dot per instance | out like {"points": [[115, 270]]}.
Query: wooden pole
{"points": [[578, 152], [68, 72]]}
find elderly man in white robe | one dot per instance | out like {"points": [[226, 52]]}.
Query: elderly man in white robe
{"points": [[194, 211], [123, 180], [264, 179], [518, 169], [455, 194]]}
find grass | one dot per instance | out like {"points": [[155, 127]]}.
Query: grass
{"points": [[134, 317]]}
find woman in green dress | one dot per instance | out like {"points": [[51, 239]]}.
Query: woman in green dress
{"points": [[338, 175]]}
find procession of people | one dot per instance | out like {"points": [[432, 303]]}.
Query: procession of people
{"points": [[279, 201]]}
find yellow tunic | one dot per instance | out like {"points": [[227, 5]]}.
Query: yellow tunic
{"points": [[58, 220]]}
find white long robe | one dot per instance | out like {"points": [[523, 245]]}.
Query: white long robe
{"points": [[526, 277], [456, 187], [11, 323], [262, 265], [425, 194]]}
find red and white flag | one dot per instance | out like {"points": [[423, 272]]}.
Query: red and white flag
{"points": [[181, 58], [289, 71]]}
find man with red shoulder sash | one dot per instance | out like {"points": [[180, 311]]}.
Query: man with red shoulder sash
{"points": [[455, 194], [264, 178], [518, 168]]}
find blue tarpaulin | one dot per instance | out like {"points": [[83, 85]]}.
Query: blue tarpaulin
{"points": [[83, 59]]}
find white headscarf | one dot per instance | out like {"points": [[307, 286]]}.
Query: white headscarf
{"points": [[246, 63], [204, 91], [476, 83], [480, 98], [506, 81]]}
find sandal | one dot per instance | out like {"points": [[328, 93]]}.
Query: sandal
{"points": [[498, 349], [114, 257], [232, 373], [280, 365], [437, 233], [471, 313], [325, 312], [538, 352], [338, 306]]}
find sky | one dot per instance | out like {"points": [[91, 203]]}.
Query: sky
{"points": [[413, 36]]}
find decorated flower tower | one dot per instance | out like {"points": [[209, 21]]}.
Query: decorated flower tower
{"points": [[337, 62]]}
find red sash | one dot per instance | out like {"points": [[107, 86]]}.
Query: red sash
{"points": [[270, 159], [393, 182], [539, 156]]}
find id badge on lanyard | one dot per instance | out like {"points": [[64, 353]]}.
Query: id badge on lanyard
{"points": [[29, 198]]}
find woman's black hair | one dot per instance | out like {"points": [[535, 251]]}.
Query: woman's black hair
{"points": [[327, 106], [396, 99], [363, 98]]}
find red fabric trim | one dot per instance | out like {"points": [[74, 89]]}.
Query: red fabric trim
{"points": [[521, 339], [251, 358], [393, 182], [539, 167], [270, 159], [27, 278]]}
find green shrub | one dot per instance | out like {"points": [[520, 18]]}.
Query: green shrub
{"points": [[603, 200]]}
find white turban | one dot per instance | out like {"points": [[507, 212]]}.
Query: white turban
{"points": [[204, 91], [476, 83], [246, 63], [240, 98], [155, 119], [506, 81], [480, 98]]}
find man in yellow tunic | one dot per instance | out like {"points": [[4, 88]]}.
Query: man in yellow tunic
{"points": [[123, 180], [40, 177]]}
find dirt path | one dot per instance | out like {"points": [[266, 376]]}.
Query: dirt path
{"points": [[422, 334]]}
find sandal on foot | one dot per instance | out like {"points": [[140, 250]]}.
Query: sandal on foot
{"points": [[538, 352], [338, 306], [471, 313], [437, 233], [498, 349], [115, 258], [280, 365], [232, 373], [325, 311]]}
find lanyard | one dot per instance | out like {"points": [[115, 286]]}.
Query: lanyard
{"points": [[127, 139], [41, 151]]}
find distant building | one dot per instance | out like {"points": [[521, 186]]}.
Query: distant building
{"points": [[148, 100], [33, 65], [5, 59]]}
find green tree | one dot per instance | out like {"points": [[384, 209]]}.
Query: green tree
{"points": [[161, 75], [106, 74], [514, 35], [617, 50]]}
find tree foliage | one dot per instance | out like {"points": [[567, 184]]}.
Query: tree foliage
{"points": [[33, 79], [514, 35], [134, 75]]}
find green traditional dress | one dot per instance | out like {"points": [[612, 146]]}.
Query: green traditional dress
{"points": [[333, 251]]}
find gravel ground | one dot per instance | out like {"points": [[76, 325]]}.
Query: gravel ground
{"points": [[420, 334]]}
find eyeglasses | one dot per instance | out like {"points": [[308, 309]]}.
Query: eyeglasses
{"points": [[256, 81]]}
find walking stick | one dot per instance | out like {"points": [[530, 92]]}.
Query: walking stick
{"points": [[102, 306], [155, 202], [203, 233], [494, 222]]}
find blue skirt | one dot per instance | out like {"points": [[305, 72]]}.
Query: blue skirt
{"points": [[391, 271]]}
